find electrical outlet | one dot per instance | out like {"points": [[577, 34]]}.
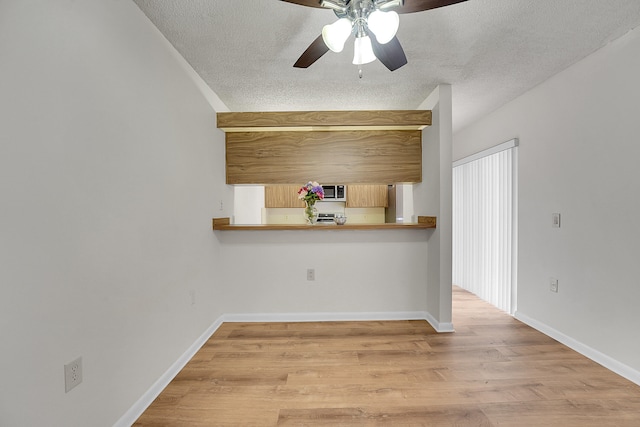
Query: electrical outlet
{"points": [[553, 285], [221, 205], [72, 374], [311, 274], [555, 220]]}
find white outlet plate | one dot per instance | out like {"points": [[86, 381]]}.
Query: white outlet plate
{"points": [[72, 374], [553, 285], [311, 274], [555, 220]]}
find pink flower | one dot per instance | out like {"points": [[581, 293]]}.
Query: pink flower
{"points": [[311, 192]]}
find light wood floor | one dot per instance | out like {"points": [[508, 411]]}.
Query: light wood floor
{"points": [[493, 371]]}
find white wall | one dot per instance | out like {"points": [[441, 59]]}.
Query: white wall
{"points": [[110, 168], [248, 203], [433, 196], [357, 271], [579, 151]]}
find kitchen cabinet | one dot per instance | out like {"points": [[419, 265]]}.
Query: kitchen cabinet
{"points": [[357, 147], [282, 196], [367, 196], [358, 196]]}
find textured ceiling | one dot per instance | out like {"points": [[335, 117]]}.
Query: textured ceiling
{"points": [[491, 51]]}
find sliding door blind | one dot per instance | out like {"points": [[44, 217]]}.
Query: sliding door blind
{"points": [[483, 226]]}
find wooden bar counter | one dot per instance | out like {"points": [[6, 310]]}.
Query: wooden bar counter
{"points": [[424, 222]]}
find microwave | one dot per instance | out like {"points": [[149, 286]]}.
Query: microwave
{"points": [[334, 193]]}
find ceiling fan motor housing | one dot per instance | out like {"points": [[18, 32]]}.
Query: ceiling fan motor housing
{"points": [[371, 22], [359, 9]]}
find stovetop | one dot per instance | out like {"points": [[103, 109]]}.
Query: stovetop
{"points": [[326, 217]]}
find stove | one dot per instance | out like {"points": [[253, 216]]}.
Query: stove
{"points": [[326, 218]]}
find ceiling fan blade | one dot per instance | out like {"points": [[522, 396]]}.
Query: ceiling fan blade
{"points": [[390, 54], [411, 6], [310, 3], [312, 54]]}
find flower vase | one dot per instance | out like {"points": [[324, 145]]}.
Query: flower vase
{"points": [[310, 212]]}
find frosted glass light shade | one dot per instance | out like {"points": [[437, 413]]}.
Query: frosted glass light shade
{"points": [[384, 25], [336, 34], [363, 52]]}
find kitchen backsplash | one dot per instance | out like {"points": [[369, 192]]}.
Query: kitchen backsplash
{"points": [[365, 215], [296, 215]]}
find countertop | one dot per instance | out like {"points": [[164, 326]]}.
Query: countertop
{"points": [[424, 222]]}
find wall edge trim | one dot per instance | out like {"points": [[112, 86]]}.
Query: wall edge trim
{"points": [[589, 352], [133, 413], [324, 317], [440, 327]]}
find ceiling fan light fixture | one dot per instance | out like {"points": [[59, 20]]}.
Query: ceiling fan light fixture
{"points": [[384, 25], [363, 52], [336, 34]]}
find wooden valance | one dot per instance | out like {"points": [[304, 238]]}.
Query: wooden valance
{"points": [[345, 147]]}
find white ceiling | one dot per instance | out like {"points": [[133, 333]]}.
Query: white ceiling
{"points": [[491, 51]]}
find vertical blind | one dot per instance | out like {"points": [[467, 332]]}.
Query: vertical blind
{"points": [[484, 215]]}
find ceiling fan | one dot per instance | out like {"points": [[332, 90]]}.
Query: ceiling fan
{"points": [[373, 23]]}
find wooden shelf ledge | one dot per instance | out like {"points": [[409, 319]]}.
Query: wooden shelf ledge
{"points": [[424, 222], [323, 120]]}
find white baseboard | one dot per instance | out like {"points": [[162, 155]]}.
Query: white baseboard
{"points": [[337, 317], [438, 326], [324, 317], [593, 354], [149, 396]]}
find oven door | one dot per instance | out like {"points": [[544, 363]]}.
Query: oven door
{"points": [[334, 193], [329, 192]]}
